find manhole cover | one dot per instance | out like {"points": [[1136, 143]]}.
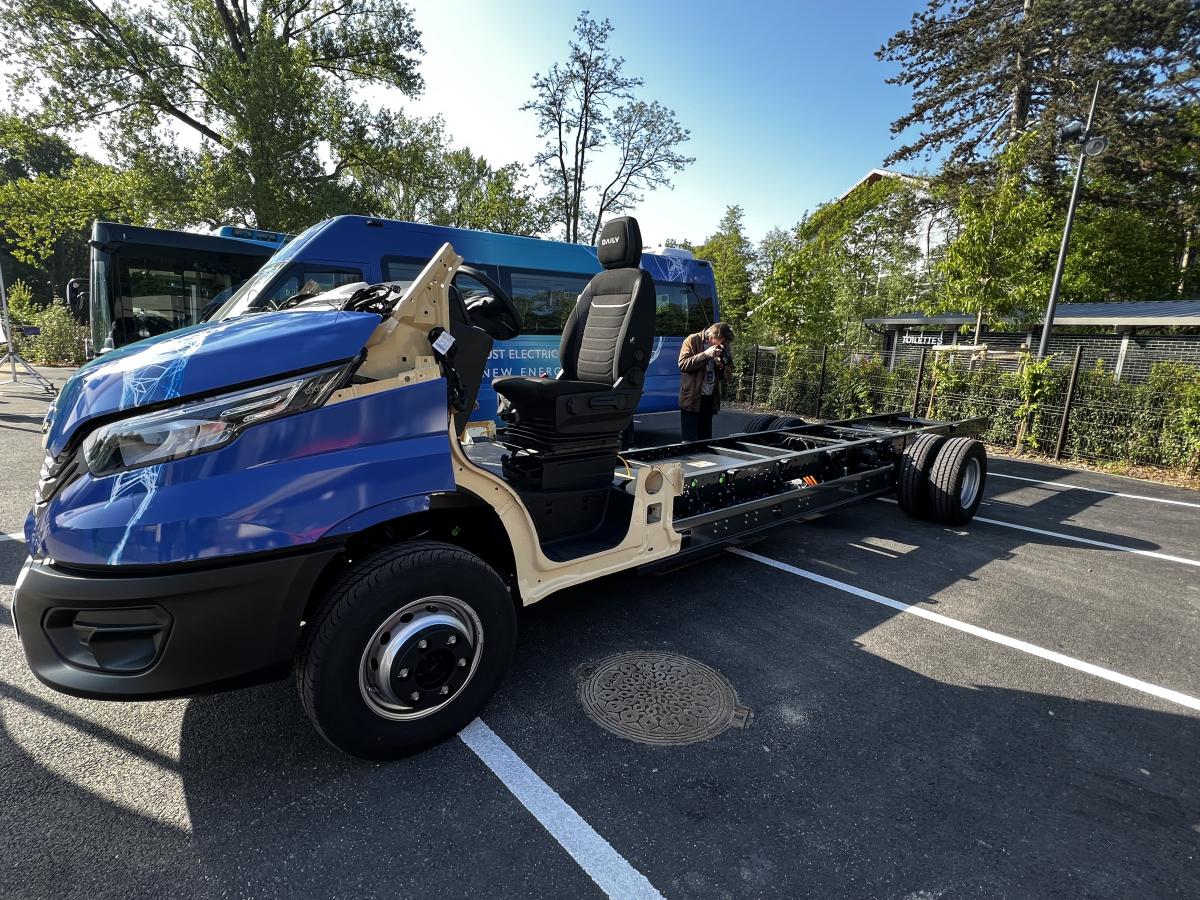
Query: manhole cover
{"points": [[659, 698]]}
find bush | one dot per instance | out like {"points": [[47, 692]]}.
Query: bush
{"points": [[1156, 422], [61, 340]]}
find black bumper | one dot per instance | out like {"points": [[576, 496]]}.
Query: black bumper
{"points": [[138, 637]]}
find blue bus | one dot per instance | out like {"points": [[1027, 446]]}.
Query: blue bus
{"points": [[544, 278], [148, 281]]}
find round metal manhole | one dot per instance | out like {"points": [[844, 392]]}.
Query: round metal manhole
{"points": [[659, 698]]}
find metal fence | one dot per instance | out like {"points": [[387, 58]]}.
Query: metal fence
{"points": [[1068, 409]]}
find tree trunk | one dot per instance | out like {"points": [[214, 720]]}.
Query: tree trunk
{"points": [[1185, 259], [1020, 97]]}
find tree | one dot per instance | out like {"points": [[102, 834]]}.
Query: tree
{"points": [[999, 262], [984, 73], [585, 105], [851, 259], [48, 197], [265, 89], [733, 261]]}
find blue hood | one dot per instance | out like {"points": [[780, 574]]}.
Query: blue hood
{"points": [[202, 360]]}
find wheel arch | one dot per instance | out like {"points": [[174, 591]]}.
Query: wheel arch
{"points": [[459, 518]]}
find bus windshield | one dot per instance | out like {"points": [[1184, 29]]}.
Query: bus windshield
{"points": [[149, 281]]}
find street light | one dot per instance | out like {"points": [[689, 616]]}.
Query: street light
{"points": [[1093, 145]]}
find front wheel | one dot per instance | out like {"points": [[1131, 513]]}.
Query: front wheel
{"points": [[405, 650]]}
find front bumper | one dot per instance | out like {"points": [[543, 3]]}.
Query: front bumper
{"points": [[113, 636]]}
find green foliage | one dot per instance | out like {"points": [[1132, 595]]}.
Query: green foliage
{"points": [[733, 261], [266, 87], [983, 73], [1154, 422], [851, 259], [61, 339], [37, 213], [1002, 257], [21, 306]]}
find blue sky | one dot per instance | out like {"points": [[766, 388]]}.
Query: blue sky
{"points": [[786, 102]]}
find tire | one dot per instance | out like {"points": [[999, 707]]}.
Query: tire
{"points": [[351, 672], [912, 479], [782, 422], [760, 422], [956, 481]]}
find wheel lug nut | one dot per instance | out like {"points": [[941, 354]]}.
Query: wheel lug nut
{"points": [[444, 689], [415, 695], [452, 640], [422, 644], [462, 663], [403, 673]]}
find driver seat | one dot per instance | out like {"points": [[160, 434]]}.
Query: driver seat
{"points": [[565, 431]]}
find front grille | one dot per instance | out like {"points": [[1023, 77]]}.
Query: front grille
{"points": [[56, 473]]}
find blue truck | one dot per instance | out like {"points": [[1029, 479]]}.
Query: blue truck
{"points": [[298, 489]]}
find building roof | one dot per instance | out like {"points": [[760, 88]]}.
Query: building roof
{"points": [[876, 174], [1143, 314]]}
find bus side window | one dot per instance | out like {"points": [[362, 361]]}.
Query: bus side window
{"points": [[699, 315], [323, 278], [704, 294], [405, 273], [671, 314], [546, 300]]}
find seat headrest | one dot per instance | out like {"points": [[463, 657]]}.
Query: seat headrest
{"points": [[620, 244]]}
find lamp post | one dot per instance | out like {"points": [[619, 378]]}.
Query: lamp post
{"points": [[1092, 146]]}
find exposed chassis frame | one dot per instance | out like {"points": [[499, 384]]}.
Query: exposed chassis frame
{"points": [[737, 486]]}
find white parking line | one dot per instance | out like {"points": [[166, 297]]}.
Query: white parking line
{"points": [[1076, 487], [1082, 540], [1032, 649], [1079, 540], [6, 536], [596, 856]]}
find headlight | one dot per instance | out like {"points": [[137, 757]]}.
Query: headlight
{"points": [[202, 425]]}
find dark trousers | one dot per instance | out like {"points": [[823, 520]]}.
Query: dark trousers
{"points": [[697, 426]]}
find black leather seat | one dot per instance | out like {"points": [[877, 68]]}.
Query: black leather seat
{"points": [[604, 351]]}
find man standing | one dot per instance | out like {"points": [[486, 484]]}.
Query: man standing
{"points": [[705, 362]]}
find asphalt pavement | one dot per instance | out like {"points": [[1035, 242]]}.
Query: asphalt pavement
{"points": [[975, 712]]}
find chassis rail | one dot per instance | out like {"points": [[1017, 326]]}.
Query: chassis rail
{"points": [[737, 486]]}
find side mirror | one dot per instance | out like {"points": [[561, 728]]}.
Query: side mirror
{"points": [[77, 299]]}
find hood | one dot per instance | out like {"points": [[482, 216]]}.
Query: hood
{"points": [[204, 359]]}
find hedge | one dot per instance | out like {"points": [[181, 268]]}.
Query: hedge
{"points": [[1154, 422]]}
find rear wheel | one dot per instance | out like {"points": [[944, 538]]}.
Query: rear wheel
{"points": [[912, 479], [406, 650], [782, 422], [761, 422], [956, 481]]}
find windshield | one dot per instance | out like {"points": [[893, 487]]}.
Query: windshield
{"points": [[243, 299]]}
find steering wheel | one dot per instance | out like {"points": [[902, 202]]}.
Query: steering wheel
{"points": [[496, 314]]}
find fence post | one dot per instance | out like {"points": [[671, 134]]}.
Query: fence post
{"points": [[920, 376], [753, 373], [1066, 413], [821, 383]]}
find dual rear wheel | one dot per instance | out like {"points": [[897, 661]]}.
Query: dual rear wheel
{"points": [[941, 478]]}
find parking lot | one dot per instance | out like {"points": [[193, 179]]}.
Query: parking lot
{"points": [[1006, 709]]}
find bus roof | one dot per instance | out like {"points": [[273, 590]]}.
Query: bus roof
{"points": [[114, 233], [357, 238]]}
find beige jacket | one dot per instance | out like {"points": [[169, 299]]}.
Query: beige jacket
{"points": [[692, 363]]}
